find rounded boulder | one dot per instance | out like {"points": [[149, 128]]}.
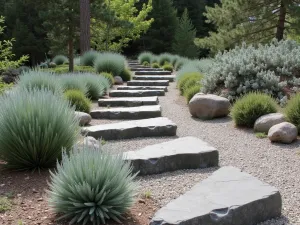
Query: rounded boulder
{"points": [[283, 133], [264, 123]]}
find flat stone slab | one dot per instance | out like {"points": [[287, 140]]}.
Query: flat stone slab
{"points": [[227, 197], [153, 73], [136, 93], [156, 127], [142, 88], [148, 83], [128, 102], [132, 113], [170, 78], [179, 154], [134, 69]]}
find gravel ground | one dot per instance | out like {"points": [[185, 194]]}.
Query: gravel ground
{"points": [[275, 164]]}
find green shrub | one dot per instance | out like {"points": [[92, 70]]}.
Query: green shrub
{"points": [[65, 69], [155, 65], [165, 58], [60, 60], [250, 107], [36, 79], [95, 84], [35, 126], [73, 82], [185, 78], [192, 81], [110, 63], [109, 77], [292, 110], [189, 93], [78, 100], [145, 57], [146, 64], [4, 86], [92, 186], [261, 135], [88, 58], [126, 75], [168, 67]]}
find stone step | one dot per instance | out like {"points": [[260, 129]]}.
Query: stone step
{"points": [[227, 197], [179, 154], [142, 88], [136, 93], [170, 78], [134, 64], [135, 69], [148, 83], [131, 113], [153, 73], [156, 127], [128, 102]]}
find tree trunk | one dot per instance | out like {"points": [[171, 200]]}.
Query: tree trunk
{"points": [[281, 22], [71, 54], [85, 23]]}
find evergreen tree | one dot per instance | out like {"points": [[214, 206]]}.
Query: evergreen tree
{"points": [[183, 44], [85, 24]]}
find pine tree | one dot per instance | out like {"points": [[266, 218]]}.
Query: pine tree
{"points": [[85, 24], [183, 44]]}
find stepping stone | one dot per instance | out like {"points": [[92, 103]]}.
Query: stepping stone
{"points": [[136, 93], [170, 78], [142, 88], [128, 102], [156, 127], [227, 197], [182, 153], [153, 73], [134, 69], [148, 83], [132, 113]]}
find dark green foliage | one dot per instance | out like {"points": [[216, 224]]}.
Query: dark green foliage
{"points": [[4, 86], [145, 64], [183, 44], [155, 65], [189, 93], [168, 67], [60, 60], [78, 100], [250, 107], [126, 75], [292, 111], [88, 58]]}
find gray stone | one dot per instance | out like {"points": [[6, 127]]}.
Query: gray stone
{"points": [[91, 142], [264, 123], [84, 118], [208, 106], [128, 102], [283, 132], [148, 83], [143, 88], [118, 80], [155, 127], [132, 113], [153, 73], [227, 197], [179, 154], [170, 78], [136, 93], [134, 69]]}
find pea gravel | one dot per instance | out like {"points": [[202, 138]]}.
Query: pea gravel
{"points": [[275, 164]]}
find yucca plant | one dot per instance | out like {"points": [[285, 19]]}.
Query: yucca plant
{"points": [[110, 63], [95, 84], [73, 82], [60, 60], [35, 126], [78, 100], [92, 186], [145, 57], [88, 58]]}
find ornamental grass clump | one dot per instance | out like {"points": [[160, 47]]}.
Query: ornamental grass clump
{"points": [[88, 58], [145, 57], [109, 78], [250, 107], [165, 58], [60, 60], [96, 85], [292, 111], [73, 82], [91, 186], [126, 75], [110, 63], [155, 65], [78, 100], [35, 126], [194, 76], [168, 67], [190, 93]]}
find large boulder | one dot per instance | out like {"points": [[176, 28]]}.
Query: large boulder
{"points": [[208, 106], [284, 133], [264, 123], [84, 118], [118, 80]]}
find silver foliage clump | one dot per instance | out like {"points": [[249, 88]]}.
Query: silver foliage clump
{"points": [[266, 68]]}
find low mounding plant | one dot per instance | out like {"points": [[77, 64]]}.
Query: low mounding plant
{"points": [[126, 75], [155, 65], [110, 63], [168, 67], [35, 126], [73, 82], [109, 77], [60, 60], [96, 85], [194, 76], [88, 58], [146, 64], [78, 100], [92, 186], [165, 58], [180, 62], [292, 110], [145, 57], [189, 93], [250, 107]]}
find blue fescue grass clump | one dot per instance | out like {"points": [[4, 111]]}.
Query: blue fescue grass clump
{"points": [[73, 82], [145, 57], [88, 58], [113, 63], [60, 60]]}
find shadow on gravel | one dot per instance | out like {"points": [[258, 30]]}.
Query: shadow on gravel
{"points": [[293, 146], [214, 121]]}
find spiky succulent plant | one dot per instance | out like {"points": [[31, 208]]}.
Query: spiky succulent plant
{"points": [[92, 186]]}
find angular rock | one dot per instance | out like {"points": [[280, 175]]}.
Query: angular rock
{"points": [[118, 80], [264, 123], [156, 127], [170, 78], [91, 142], [132, 113], [143, 88], [227, 197], [136, 93], [208, 106], [283, 132], [153, 73], [128, 102], [84, 118], [179, 154], [148, 83]]}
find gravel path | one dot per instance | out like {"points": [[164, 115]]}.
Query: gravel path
{"points": [[278, 165]]}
